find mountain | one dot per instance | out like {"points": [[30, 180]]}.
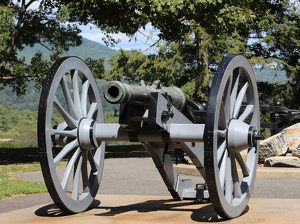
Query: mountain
{"points": [[271, 76], [95, 50], [30, 100], [88, 48]]}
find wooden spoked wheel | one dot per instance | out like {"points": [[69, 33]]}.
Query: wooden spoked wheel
{"points": [[230, 136], [69, 96]]}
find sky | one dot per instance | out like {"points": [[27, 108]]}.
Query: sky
{"points": [[93, 33], [140, 41]]}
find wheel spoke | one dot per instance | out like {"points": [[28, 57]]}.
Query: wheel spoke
{"points": [[96, 157], [244, 167], [92, 162], [68, 170], [77, 169], [84, 96], [84, 173], [68, 133], [233, 95], [222, 171], [92, 110], [221, 150], [228, 181], [72, 123], [249, 110], [69, 147], [76, 94], [235, 178], [227, 98], [222, 133], [68, 97], [222, 119], [239, 100]]}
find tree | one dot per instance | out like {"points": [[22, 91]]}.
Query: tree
{"points": [[174, 64], [279, 42], [216, 27], [22, 26]]}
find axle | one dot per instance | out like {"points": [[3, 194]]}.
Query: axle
{"points": [[92, 134]]}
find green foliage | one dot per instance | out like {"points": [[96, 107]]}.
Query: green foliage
{"points": [[265, 132], [110, 118], [96, 66], [179, 64], [11, 145], [7, 15], [279, 41], [134, 66], [269, 93], [10, 133], [29, 101], [197, 33], [173, 64], [21, 126], [174, 19], [26, 27], [13, 124]]}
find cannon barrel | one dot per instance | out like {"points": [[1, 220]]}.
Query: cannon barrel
{"points": [[116, 92]]}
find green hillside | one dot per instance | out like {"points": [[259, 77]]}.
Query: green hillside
{"points": [[270, 76], [30, 101], [87, 49], [18, 115]]}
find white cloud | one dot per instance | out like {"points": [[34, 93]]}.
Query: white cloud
{"points": [[142, 40]]}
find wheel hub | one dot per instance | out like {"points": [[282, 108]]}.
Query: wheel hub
{"points": [[86, 137], [59, 139], [241, 136]]}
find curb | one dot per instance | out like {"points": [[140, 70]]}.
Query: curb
{"points": [[262, 172]]}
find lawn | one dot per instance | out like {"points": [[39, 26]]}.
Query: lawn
{"points": [[10, 186]]}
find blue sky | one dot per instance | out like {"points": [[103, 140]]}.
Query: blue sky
{"points": [[91, 32]]}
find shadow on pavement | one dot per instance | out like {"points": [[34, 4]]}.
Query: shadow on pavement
{"points": [[52, 210], [203, 214]]}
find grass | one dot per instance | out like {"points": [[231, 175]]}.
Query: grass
{"points": [[10, 186]]}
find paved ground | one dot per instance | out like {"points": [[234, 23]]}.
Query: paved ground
{"points": [[115, 209], [139, 177]]}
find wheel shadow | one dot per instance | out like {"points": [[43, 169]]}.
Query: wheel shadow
{"points": [[205, 213], [52, 210]]}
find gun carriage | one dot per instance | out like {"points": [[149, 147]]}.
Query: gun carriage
{"points": [[218, 139]]}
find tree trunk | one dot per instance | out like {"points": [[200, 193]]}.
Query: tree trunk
{"points": [[202, 67], [13, 38]]}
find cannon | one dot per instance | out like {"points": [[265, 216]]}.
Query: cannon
{"points": [[219, 139]]}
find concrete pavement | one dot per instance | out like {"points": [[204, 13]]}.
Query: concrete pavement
{"points": [[156, 209]]}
